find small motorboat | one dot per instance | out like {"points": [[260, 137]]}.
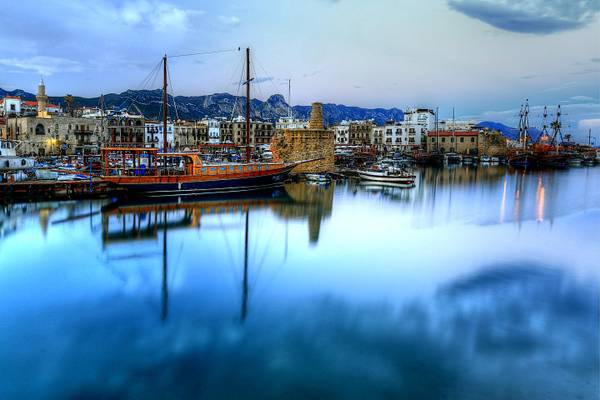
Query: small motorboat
{"points": [[453, 158], [485, 159], [387, 175], [318, 178]]}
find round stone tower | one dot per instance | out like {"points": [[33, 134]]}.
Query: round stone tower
{"points": [[42, 100], [316, 116]]}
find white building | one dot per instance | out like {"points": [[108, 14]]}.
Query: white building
{"points": [[213, 129], [291, 123], [10, 105], [420, 116], [341, 133], [404, 136], [153, 134]]}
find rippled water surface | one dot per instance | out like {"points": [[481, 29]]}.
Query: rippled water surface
{"points": [[479, 283]]}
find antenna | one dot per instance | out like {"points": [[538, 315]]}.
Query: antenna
{"points": [[290, 98]]}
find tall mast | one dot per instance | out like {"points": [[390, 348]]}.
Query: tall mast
{"points": [[453, 127], [437, 133], [525, 123], [165, 104], [248, 104]]}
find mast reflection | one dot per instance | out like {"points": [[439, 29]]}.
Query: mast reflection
{"points": [[135, 222]]}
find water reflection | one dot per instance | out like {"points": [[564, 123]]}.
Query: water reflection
{"points": [[342, 291]]}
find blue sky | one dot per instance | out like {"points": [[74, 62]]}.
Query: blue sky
{"points": [[483, 57]]}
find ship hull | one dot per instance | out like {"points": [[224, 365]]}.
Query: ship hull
{"points": [[193, 186]]}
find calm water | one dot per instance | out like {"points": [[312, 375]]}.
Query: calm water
{"points": [[479, 283]]}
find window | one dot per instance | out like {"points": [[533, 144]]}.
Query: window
{"points": [[443, 139], [12, 107], [472, 140], [39, 129], [432, 140], [462, 139]]}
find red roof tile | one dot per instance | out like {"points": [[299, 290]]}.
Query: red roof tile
{"points": [[450, 133]]}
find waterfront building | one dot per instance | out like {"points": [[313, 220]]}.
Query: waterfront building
{"points": [[14, 105], [398, 136], [124, 127], [463, 141], [341, 133], [260, 132], [189, 134], [10, 106], [459, 125], [420, 116], [290, 123], [153, 134], [359, 132], [3, 134], [55, 134]]}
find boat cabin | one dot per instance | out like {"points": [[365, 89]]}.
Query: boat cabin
{"points": [[137, 161]]}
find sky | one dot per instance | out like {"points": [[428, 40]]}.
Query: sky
{"points": [[482, 57]]}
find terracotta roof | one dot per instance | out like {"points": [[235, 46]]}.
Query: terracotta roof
{"points": [[450, 133], [10, 97], [35, 103]]}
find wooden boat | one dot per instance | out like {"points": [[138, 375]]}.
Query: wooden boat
{"points": [[157, 174], [522, 159], [148, 172]]}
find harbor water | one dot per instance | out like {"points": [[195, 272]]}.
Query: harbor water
{"points": [[477, 283]]}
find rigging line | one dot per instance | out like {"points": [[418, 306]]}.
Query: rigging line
{"points": [[257, 61], [172, 95], [202, 53], [239, 84], [237, 98]]}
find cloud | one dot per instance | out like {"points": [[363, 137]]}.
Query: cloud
{"points": [[156, 15], [527, 77], [586, 71], [311, 74], [530, 16], [43, 65], [583, 98], [595, 60], [592, 123], [229, 20]]}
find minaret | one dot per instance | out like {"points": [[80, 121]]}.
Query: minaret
{"points": [[42, 100]]}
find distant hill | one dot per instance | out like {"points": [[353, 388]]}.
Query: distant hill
{"points": [[149, 102], [507, 131]]}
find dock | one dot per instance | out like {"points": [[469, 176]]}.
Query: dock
{"points": [[56, 190]]}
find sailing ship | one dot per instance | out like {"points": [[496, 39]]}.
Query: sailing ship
{"points": [[148, 172], [546, 148], [522, 156]]}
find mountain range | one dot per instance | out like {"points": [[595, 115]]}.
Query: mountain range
{"points": [[149, 102]]}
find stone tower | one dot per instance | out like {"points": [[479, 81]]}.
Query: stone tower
{"points": [[315, 143], [42, 100], [316, 116]]}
